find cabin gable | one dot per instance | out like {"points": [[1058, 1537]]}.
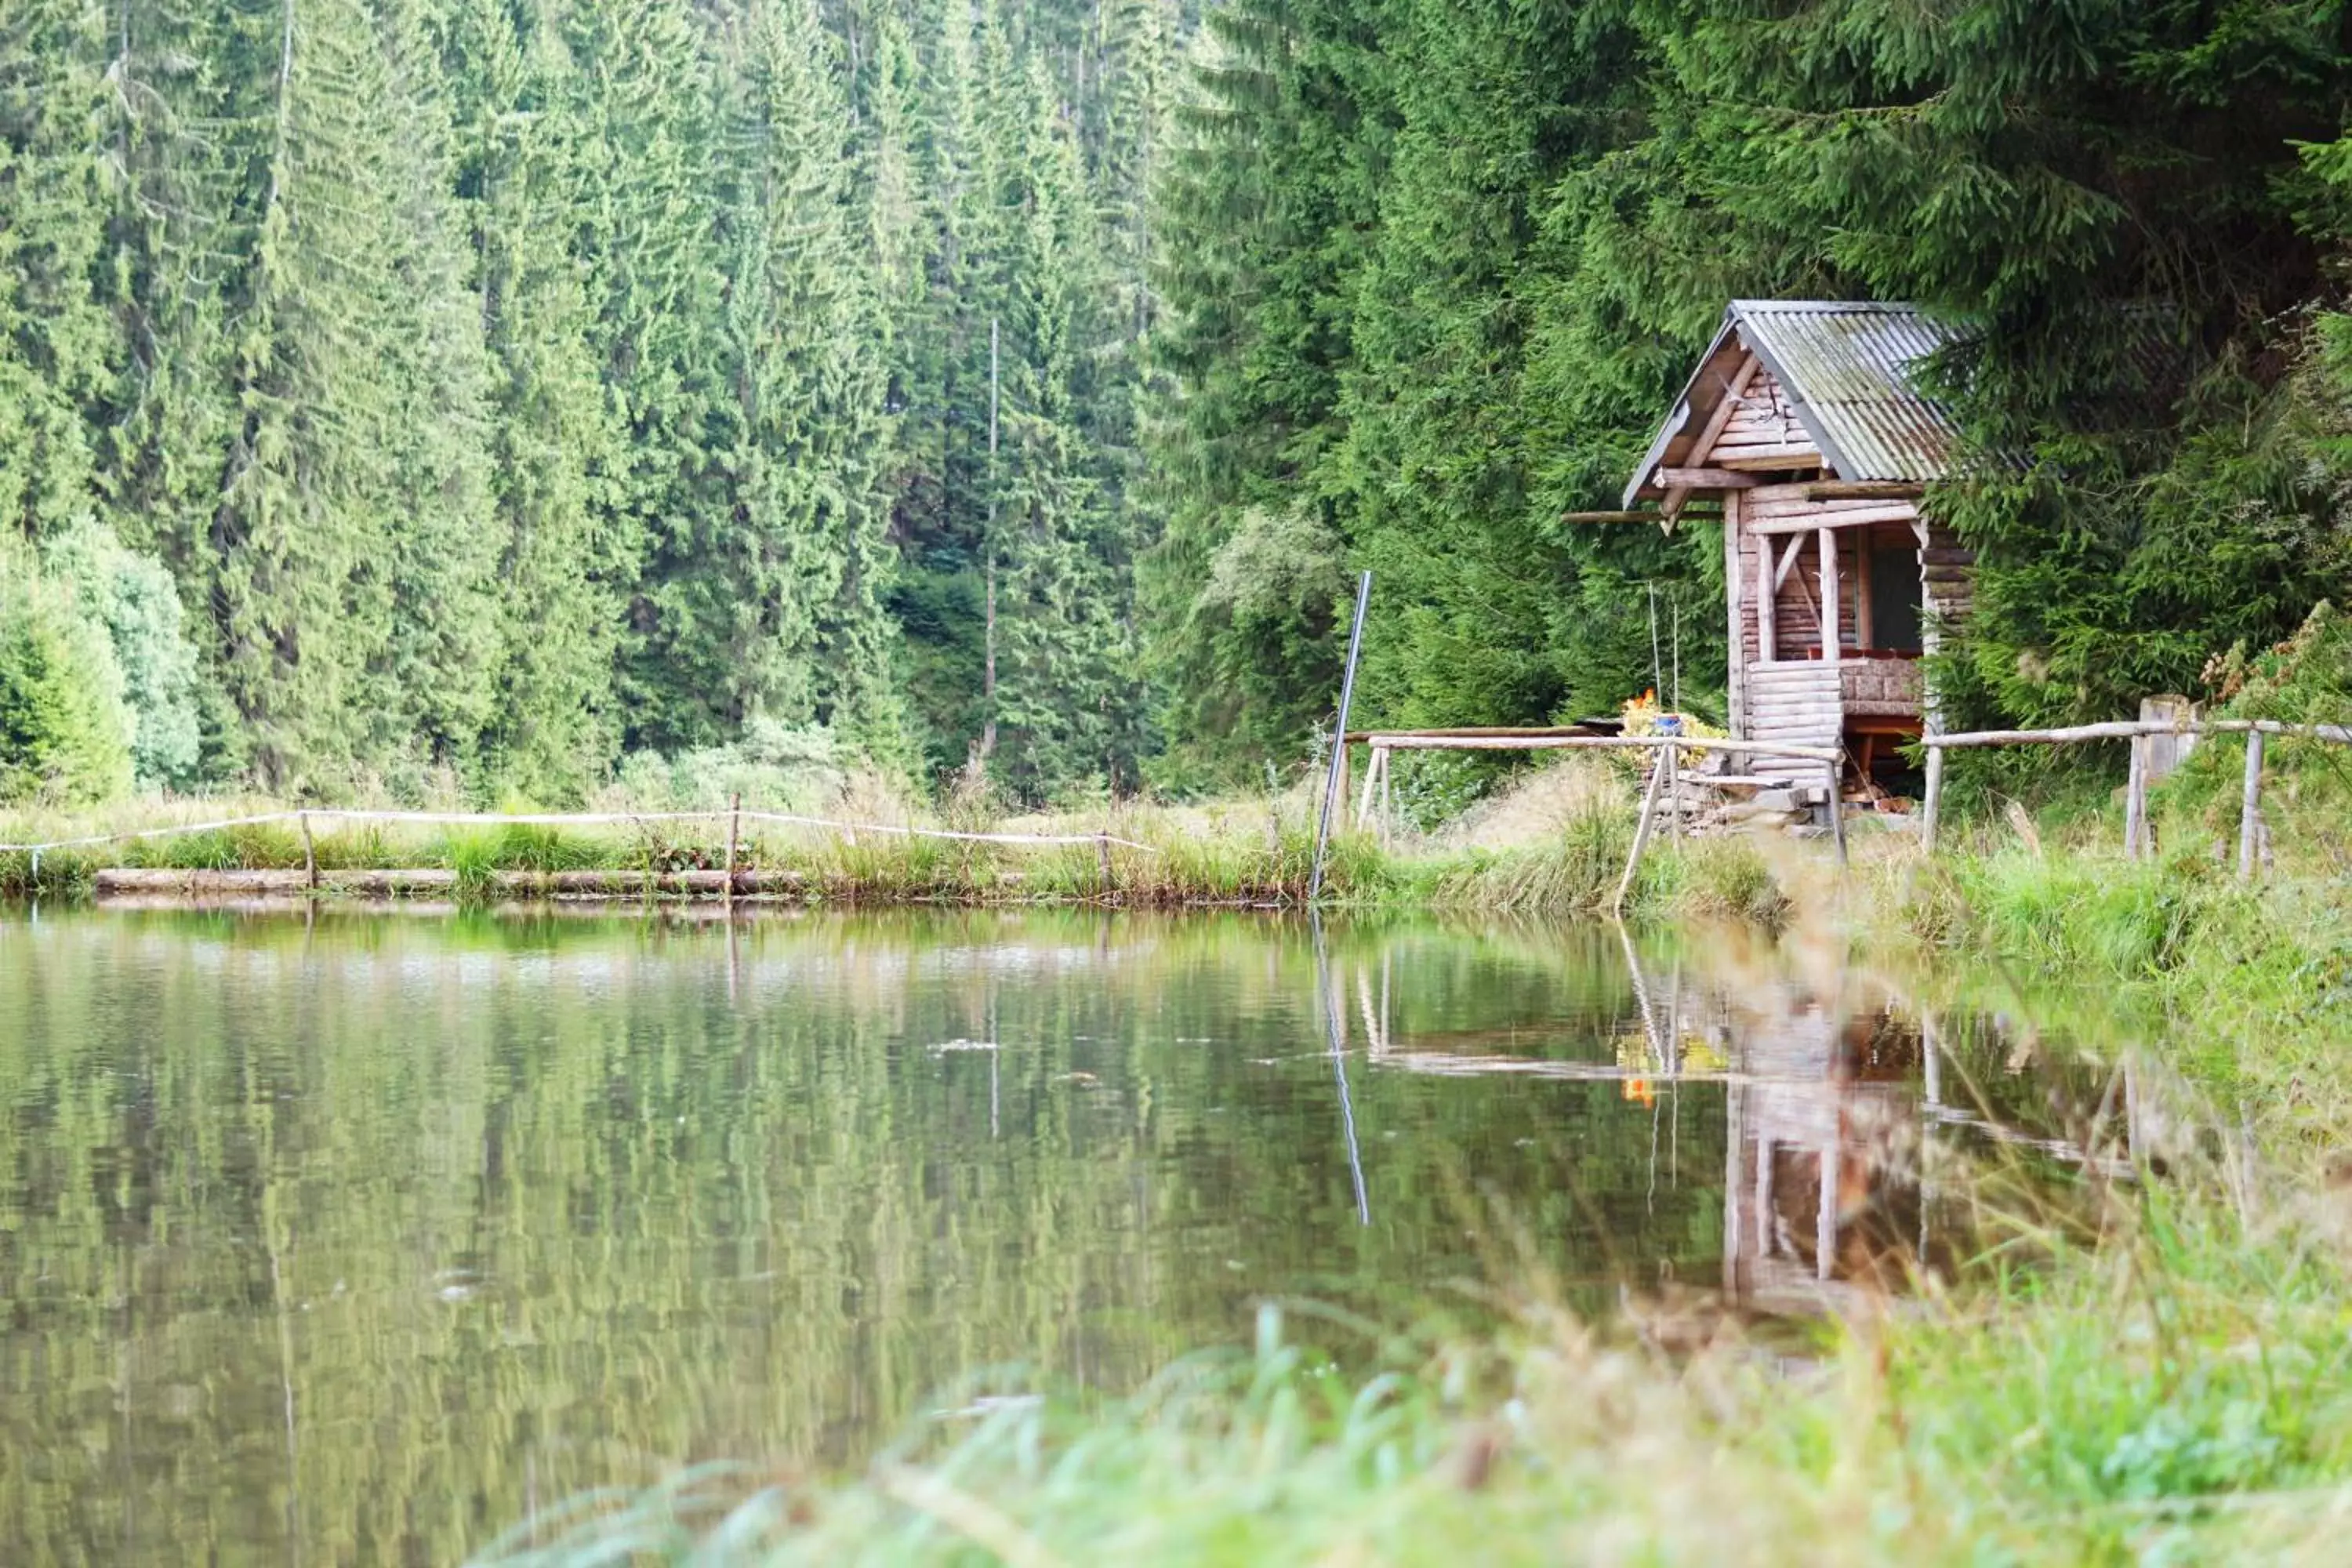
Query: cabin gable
{"points": [[1761, 433]]}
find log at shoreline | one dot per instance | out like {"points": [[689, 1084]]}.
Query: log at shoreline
{"points": [[118, 882]]}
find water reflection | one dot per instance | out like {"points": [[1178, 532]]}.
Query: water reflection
{"points": [[355, 1239]]}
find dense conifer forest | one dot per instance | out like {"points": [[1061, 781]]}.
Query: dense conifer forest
{"points": [[433, 394]]}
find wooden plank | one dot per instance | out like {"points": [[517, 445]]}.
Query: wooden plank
{"points": [[1704, 479], [1766, 597]]}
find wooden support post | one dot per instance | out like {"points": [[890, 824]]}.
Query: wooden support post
{"points": [[1673, 760], [309, 854], [1767, 595], [1734, 598], [1102, 860], [1825, 1218], [1837, 807], [1371, 785], [734, 838], [1641, 835], [2135, 799], [1931, 810], [1828, 597], [2249, 809], [1388, 798]]}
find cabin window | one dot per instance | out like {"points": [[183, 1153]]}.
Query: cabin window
{"points": [[1895, 621]]}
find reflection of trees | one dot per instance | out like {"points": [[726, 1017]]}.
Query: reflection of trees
{"points": [[378, 1234]]}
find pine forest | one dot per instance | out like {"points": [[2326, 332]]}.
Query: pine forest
{"points": [[481, 396]]}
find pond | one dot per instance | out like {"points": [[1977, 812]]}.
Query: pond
{"points": [[356, 1237]]}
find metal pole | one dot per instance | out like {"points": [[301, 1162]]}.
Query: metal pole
{"points": [[1325, 992], [1340, 736]]}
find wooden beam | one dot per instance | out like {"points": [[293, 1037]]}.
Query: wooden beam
{"points": [[1788, 557], [1852, 490], [1853, 517], [1727, 744], [1612, 517], [1704, 479], [1712, 431], [1767, 602], [1767, 459], [1485, 731]]}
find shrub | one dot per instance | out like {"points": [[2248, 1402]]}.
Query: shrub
{"points": [[133, 599], [65, 730]]}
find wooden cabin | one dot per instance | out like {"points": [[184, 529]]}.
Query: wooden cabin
{"points": [[1804, 424]]}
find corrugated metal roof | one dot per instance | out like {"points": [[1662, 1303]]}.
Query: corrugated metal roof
{"points": [[1848, 370]]}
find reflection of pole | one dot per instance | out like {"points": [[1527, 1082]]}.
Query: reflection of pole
{"points": [[1339, 1061], [1339, 737], [1640, 994]]}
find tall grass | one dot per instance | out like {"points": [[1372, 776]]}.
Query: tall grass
{"points": [[2180, 1395]]}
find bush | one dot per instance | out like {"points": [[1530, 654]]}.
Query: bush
{"points": [[133, 598], [65, 730], [775, 767]]}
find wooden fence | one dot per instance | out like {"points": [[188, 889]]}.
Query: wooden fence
{"points": [[2139, 840]]}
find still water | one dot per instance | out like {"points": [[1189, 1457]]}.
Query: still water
{"points": [[355, 1238]]}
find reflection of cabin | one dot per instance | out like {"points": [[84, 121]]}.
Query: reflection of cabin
{"points": [[1822, 1182], [1803, 422]]}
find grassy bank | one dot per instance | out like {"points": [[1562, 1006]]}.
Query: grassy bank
{"points": [[1237, 853], [2167, 1380]]}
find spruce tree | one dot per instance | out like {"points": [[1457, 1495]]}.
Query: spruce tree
{"points": [[555, 449]]}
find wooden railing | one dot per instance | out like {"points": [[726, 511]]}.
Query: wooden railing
{"points": [[2137, 838]]}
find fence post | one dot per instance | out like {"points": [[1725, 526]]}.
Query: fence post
{"points": [[1388, 798], [2250, 808], [734, 837], [1102, 859], [1933, 807], [310, 853], [2135, 799], [1675, 791], [1836, 772]]}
